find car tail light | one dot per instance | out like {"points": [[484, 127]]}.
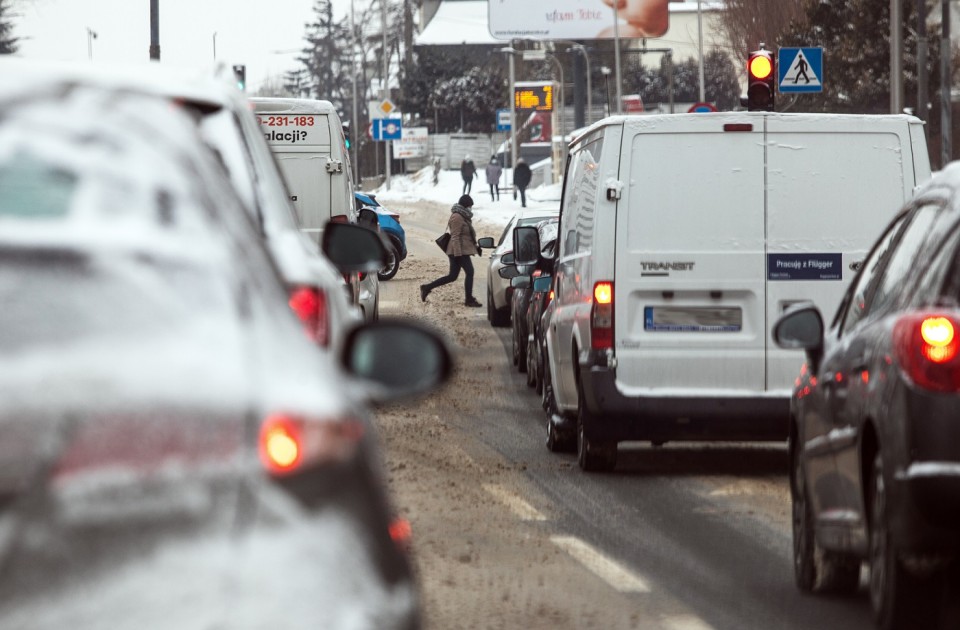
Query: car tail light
{"points": [[926, 347], [601, 316], [288, 444], [363, 276], [310, 305], [401, 533], [549, 297]]}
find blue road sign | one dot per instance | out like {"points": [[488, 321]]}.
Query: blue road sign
{"points": [[800, 70], [503, 120], [387, 129]]}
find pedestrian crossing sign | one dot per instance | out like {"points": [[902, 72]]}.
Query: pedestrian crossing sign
{"points": [[800, 70]]}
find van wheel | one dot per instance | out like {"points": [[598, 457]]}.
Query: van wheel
{"points": [[393, 264], [592, 455], [815, 569], [899, 599]]}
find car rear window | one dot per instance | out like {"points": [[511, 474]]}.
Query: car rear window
{"points": [[53, 297], [31, 190]]}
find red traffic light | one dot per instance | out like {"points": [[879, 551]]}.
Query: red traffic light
{"points": [[761, 72]]}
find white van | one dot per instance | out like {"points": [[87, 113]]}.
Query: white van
{"points": [[306, 137], [682, 238]]}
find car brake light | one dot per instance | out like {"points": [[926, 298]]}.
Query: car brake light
{"points": [[310, 305], [288, 443], [549, 296], [401, 533], [601, 316], [926, 347], [280, 441]]}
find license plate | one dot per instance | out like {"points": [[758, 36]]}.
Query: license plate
{"points": [[692, 319]]}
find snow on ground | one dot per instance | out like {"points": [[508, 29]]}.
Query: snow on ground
{"points": [[415, 187]]}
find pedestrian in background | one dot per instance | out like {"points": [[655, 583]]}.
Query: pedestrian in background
{"points": [[436, 170], [462, 245], [494, 171], [521, 179], [468, 170]]}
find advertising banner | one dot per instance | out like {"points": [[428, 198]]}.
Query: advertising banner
{"points": [[412, 144], [577, 19]]}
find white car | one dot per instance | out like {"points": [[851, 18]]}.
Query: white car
{"points": [[502, 269], [174, 454], [317, 291]]}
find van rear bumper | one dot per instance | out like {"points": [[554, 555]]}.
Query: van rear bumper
{"points": [[616, 417]]}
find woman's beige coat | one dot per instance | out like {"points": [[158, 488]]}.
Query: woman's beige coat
{"points": [[463, 238]]}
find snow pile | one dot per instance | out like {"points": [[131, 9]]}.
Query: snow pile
{"points": [[419, 186]]}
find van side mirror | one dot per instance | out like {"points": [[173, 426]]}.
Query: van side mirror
{"points": [[526, 245], [353, 248], [542, 283]]}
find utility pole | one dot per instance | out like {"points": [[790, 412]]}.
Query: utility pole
{"points": [[946, 147], [353, 71], [155, 30], [703, 96], [91, 35], [923, 98], [616, 57], [385, 88], [896, 56], [214, 45]]}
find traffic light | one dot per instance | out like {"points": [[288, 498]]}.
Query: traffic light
{"points": [[761, 77], [240, 74]]}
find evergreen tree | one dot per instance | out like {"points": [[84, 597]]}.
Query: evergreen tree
{"points": [[8, 43], [855, 36], [470, 100], [721, 86], [326, 57]]}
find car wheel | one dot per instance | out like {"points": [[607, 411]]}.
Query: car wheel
{"points": [[899, 599], [393, 264], [521, 353], [531, 368], [592, 456], [513, 347], [815, 569], [499, 317], [537, 368]]}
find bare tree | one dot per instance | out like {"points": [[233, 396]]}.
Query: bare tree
{"points": [[747, 23]]}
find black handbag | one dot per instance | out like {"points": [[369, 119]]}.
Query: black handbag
{"points": [[443, 240]]}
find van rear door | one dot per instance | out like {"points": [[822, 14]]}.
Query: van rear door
{"points": [[302, 145], [834, 184], [689, 284]]}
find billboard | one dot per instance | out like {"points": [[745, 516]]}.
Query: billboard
{"points": [[577, 19]]}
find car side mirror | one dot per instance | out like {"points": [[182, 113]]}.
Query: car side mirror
{"points": [[801, 328], [509, 272], [526, 245], [486, 242], [542, 283], [520, 282], [374, 351], [352, 248], [368, 218]]}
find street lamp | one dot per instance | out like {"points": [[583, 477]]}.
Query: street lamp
{"points": [[91, 35], [580, 48], [513, 119], [606, 87]]}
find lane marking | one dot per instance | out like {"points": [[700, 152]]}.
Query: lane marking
{"points": [[686, 622], [608, 570], [518, 506]]}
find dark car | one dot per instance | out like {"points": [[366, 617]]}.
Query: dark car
{"points": [[521, 284], [874, 436], [174, 454], [390, 226], [540, 295]]}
